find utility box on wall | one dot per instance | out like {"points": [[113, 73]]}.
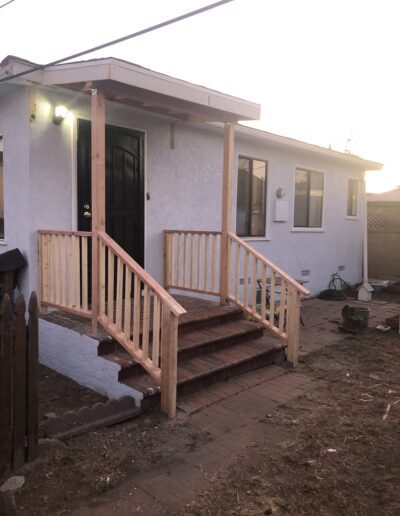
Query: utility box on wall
{"points": [[281, 210]]}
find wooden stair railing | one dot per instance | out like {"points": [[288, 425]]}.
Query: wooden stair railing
{"points": [[133, 307], [256, 285]]}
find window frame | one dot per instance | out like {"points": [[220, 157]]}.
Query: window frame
{"points": [[308, 229], [356, 216], [263, 236]]}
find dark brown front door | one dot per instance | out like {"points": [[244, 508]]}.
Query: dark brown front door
{"points": [[124, 186]]}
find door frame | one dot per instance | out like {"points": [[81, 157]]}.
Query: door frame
{"points": [[74, 169]]}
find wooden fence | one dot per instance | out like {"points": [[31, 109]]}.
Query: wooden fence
{"points": [[18, 383]]}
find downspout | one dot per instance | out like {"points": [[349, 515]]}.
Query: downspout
{"points": [[365, 290]]}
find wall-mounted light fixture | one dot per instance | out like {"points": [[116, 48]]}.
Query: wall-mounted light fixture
{"points": [[280, 193], [60, 114]]}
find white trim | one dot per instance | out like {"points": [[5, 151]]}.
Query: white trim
{"points": [[3, 242], [257, 239], [306, 229], [356, 216], [267, 215]]}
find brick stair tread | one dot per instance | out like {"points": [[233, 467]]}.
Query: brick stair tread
{"points": [[211, 363], [193, 340]]}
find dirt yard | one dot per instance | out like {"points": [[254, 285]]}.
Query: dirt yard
{"points": [[334, 450]]}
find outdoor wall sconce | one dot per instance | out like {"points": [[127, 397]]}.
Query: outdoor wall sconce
{"points": [[280, 193], [60, 114]]}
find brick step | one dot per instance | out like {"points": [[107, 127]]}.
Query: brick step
{"points": [[191, 344], [193, 321], [202, 371]]}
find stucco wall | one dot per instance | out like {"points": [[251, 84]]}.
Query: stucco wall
{"points": [[184, 184], [14, 127]]}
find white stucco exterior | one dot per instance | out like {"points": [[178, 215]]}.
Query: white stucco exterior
{"points": [[184, 184]]}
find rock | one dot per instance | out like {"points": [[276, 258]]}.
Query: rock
{"points": [[50, 415], [13, 484]]}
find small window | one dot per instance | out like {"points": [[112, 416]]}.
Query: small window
{"points": [[309, 195], [1, 191], [352, 197], [251, 193]]}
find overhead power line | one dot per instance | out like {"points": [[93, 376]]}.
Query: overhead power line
{"points": [[3, 5], [119, 40]]}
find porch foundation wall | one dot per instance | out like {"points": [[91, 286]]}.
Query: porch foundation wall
{"points": [[75, 355]]}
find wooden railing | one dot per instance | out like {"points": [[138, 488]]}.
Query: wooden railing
{"points": [[64, 270], [132, 306], [265, 292], [256, 285], [191, 260]]}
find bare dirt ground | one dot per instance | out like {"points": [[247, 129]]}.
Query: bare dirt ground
{"points": [[341, 450], [333, 451]]}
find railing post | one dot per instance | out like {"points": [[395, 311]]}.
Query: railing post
{"points": [[293, 326], [229, 140], [166, 260], [169, 359], [98, 192]]}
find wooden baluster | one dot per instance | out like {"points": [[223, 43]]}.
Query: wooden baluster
{"points": [[229, 265], [199, 242], [246, 278], [293, 326], [206, 262], [263, 291], [185, 264], [214, 264], [127, 305], [45, 266], [56, 270], [192, 236], [178, 261], [110, 289], [136, 312], [282, 306], [120, 283], [254, 285], [102, 281], [84, 268], [237, 271], [146, 322], [173, 257], [272, 298], [156, 333], [61, 271], [77, 271], [70, 282]]}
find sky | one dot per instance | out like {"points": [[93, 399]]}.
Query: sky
{"points": [[326, 72]]}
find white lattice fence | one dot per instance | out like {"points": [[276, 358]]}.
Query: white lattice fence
{"points": [[384, 219]]}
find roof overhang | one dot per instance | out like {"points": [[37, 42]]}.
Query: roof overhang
{"points": [[276, 139], [140, 87]]}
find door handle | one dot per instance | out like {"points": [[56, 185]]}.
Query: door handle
{"points": [[87, 214]]}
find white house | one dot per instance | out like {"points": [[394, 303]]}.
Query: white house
{"points": [[168, 155]]}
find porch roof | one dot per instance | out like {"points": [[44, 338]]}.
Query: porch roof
{"points": [[131, 84]]}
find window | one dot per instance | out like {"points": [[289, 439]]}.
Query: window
{"points": [[352, 197], [309, 194], [1, 191], [251, 192]]}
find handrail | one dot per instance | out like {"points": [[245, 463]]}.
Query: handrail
{"points": [[267, 262], [165, 296]]}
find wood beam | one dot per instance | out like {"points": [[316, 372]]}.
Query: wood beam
{"points": [[98, 191], [229, 141]]}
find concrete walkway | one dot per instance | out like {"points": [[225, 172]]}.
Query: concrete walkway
{"points": [[227, 418]]}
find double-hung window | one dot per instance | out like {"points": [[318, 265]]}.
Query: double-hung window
{"points": [[352, 197], [251, 195], [309, 196], [1, 191]]}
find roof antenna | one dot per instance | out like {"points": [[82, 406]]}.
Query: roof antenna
{"points": [[347, 147]]}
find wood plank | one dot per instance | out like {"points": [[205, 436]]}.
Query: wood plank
{"points": [[44, 266], [69, 271], [32, 380], [263, 290], [237, 272], [185, 263], [103, 282], [6, 385], [282, 306], [136, 312], [272, 298], [146, 322], [199, 245], [66, 233], [206, 252], [156, 333], [19, 385], [178, 260], [192, 242], [246, 279], [120, 286], [127, 303], [254, 284], [110, 286], [84, 268], [166, 259], [169, 353], [62, 269], [77, 271], [293, 326], [214, 263], [56, 270]]}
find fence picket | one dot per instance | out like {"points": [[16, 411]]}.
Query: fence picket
{"points": [[19, 422]]}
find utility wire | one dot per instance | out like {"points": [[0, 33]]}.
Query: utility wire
{"points": [[119, 40], [3, 5]]}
